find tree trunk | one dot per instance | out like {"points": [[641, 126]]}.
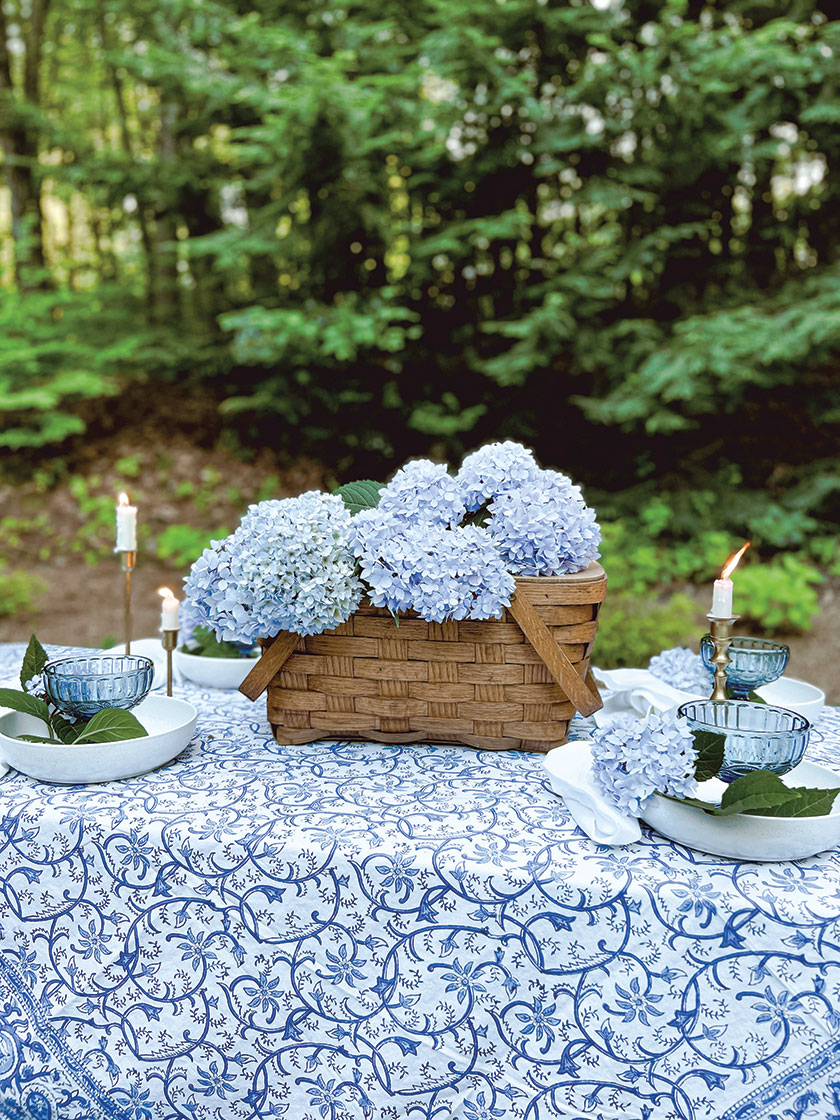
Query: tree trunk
{"points": [[20, 150], [165, 257]]}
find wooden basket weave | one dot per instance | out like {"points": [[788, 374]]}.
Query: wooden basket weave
{"points": [[508, 685]]}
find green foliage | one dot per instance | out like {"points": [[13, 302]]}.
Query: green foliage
{"points": [[19, 591], [780, 595], [183, 544], [632, 629], [361, 495], [204, 643], [763, 793]]}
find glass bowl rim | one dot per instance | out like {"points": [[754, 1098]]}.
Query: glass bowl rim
{"points": [[51, 669], [804, 723], [762, 645]]}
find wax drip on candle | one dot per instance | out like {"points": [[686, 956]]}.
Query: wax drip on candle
{"points": [[169, 609], [723, 587], [126, 525]]}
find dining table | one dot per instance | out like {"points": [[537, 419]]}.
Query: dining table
{"points": [[356, 931]]}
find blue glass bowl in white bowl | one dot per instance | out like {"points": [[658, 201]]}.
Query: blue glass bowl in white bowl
{"points": [[757, 736], [85, 684]]}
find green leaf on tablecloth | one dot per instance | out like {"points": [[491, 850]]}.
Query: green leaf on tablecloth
{"points": [[34, 661], [805, 803], [110, 726], [360, 495], [709, 747], [23, 702]]}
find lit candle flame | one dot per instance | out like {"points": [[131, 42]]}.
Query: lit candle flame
{"points": [[733, 561], [123, 499], [165, 593]]}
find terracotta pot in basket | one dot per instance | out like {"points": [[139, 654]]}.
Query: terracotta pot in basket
{"points": [[511, 684]]}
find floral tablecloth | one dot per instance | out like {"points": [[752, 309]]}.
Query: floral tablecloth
{"points": [[339, 931]]}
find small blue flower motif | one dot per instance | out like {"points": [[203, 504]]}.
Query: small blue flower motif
{"points": [[93, 942], [494, 470], [635, 1002], [398, 874], [135, 850], [133, 1103], [778, 1011], [423, 491], [682, 669], [546, 528], [632, 759], [265, 994], [697, 896], [324, 1095], [540, 1022], [214, 1082], [343, 967], [462, 981], [195, 949], [481, 1109]]}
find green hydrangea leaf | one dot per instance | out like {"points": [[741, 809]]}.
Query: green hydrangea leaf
{"points": [[110, 726], [709, 747], [23, 702], [360, 495], [804, 802], [34, 661]]}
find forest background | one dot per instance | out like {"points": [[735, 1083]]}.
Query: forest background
{"points": [[247, 249]]}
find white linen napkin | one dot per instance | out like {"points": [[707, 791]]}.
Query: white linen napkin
{"points": [[570, 774], [635, 692]]}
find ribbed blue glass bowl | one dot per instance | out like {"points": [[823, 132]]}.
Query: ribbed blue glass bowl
{"points": [[758, 736], [84, 685], [754, 662]]}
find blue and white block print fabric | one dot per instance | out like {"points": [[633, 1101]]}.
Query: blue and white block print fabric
{"points": [[355, 932]]}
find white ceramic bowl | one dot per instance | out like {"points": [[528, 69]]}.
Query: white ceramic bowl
{"points": [[169, 722], [213, 672], [753, 838], [795, 695]]}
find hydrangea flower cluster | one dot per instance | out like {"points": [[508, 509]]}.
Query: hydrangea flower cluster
{"points": [[423, 490], [546, 528], [440, 573], [632, 759], [288, 566], [303, 564], [496, 469], [683, 669]]}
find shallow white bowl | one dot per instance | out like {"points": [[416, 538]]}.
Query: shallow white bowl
{"points": [[213, 672], [169, 722], [795, 695], [757, 839]]}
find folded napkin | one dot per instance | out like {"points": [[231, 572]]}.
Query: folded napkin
{"points": [[635, 692], [570, 774]]}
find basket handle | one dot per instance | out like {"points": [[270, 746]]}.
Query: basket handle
{"points": [[585, 699], [272, 661]]}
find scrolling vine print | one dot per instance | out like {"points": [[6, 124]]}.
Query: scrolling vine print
{"points": [[357, 932]]}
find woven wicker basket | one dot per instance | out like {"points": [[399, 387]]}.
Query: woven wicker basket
{"points": [[508, 685]]}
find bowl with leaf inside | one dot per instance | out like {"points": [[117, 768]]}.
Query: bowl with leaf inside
{"points": [[53, 740], [205, 660]]}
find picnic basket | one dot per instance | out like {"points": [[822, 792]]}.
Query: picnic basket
{"points": [[511, 684]]}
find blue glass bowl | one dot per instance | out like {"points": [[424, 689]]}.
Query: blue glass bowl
{"points": [[82, 686], [758, 736], [754, 662]]}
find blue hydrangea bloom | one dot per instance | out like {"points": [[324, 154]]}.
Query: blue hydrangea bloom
{"points": [[423, 490], [289, 566], [545, 529], [683, 669], [632, 759], [440, 573], [495, 469]]}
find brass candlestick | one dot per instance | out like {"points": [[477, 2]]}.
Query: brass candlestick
{"points": [[169, 640], [721, 632], [127, 561]]}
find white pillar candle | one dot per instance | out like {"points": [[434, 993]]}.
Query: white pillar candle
{"points": [[169, 610], [723, 587], [126, 526], [722, 598]]}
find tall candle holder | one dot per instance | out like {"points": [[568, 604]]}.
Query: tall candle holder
{"points": [[169, 640], [128, 560], [721, 632]]}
